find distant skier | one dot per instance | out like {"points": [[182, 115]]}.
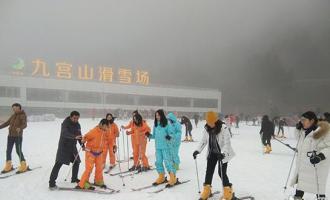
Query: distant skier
{"points": [[94, 140], [217, 139], [17, 123], [266, 132], [177, 138], [237, 121], [281, 124], [229, 122], [186, 121], [67, 151], [312, 162], [196, 118]]}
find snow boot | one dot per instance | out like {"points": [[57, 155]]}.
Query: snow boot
{"points": [[75, 180], [8, 167], [268, 149], [190, 139], [207, 192], [53, 187], [186, 139], [87, 186], [173, 180], [160, 180], [227, 193], [23, 167]]}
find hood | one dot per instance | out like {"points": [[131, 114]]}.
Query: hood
{"points": [[324, 128], [172, 117]]}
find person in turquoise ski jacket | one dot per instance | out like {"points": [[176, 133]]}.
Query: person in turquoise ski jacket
{"points": [[177, 138], [163, 135]]}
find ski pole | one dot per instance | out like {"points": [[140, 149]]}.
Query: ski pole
{"points": [[74, 161], [128, 157], [289, 146], [290, 170], [123, 140], [196, 167], [119, 165]]}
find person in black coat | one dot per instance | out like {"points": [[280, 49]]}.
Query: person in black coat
{"points": [[187, 123], [266, 132], [281, 125], [67, 151]]}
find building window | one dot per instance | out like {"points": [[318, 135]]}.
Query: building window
{"points": [[36, 94], [13, 92], [205, 103], [178, 102]]}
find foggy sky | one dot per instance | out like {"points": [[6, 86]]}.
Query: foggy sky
{"points": [[259, 53]]}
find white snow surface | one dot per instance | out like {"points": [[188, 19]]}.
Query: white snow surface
{"points": [[251, 172]]}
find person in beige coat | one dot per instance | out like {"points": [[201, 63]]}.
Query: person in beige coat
{"points": [[16, 124], [313, 157]]}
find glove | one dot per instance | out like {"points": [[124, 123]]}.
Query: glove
{"points": [[147, 134], [317, 158], [195, 154], [221, 156], [167, 137], [299, 125], [114, 149]]}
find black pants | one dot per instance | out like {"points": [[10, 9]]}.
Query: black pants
{"points": [[212, 161], [266, 139], [280, 129], [188, 132], [56, 169], [300, 193], [18, 144]]}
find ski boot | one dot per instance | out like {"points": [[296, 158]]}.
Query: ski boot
{"points": [[160, 180], [23, 167], [100, 184], [144, 169], [207, 192], [190, 139], [8, 167], [75, 180], [186, 139], [87, 186], [134, 168], [173, 180], [227, 193]]}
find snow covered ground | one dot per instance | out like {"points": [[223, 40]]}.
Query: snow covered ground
{"points": [[251, 172]]}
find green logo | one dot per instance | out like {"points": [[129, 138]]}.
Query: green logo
{"points": [[18, 65]]}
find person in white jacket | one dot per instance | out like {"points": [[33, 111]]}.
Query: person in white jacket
{"points": [[313, 157], [217, 138]]}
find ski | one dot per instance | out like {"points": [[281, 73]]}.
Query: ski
{"points": [[119, 173], [234, 197], [148, 186], [162, 189], [18, 173], [184, 141], [135, 172], [96, 191]]}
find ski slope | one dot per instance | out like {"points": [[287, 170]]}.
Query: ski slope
{"points": [[251, 172]]}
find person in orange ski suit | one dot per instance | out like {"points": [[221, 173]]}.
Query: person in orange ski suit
{"points": [[130, 125], [110, 142], [94, 140], [138, 133]]}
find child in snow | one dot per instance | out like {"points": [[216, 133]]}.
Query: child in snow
{"points": [[163, 135], [110, 142], [313, 157], [139, 130], [217, 139], [177, 138], [94, 140]]}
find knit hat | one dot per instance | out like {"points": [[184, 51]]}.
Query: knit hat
{"points": [[211, 117], [310, 115]]}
